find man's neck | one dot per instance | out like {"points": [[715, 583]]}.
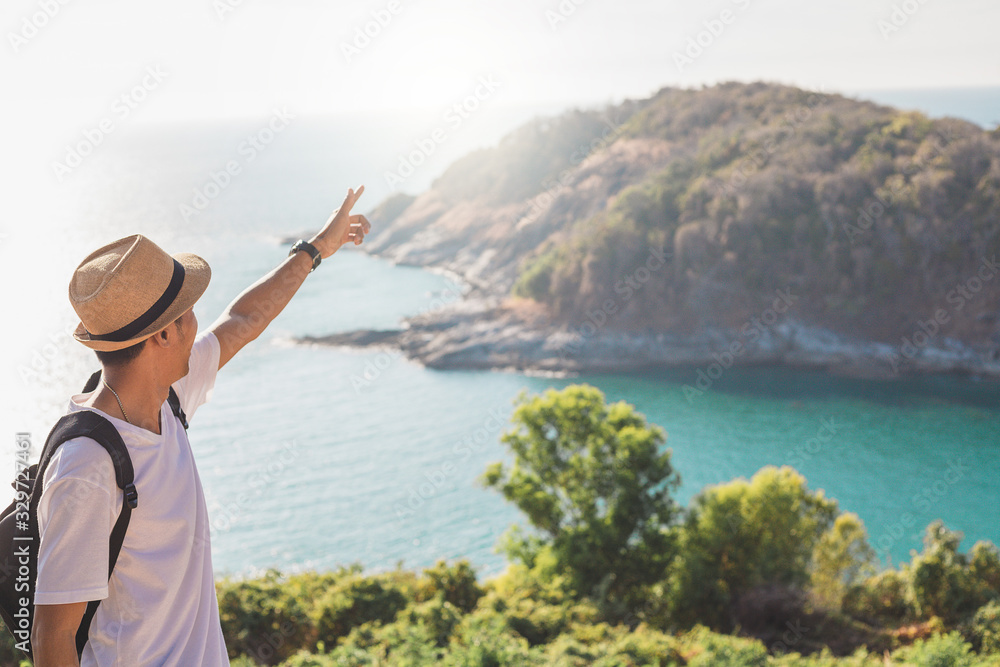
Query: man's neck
{"points": [[140, 393]]}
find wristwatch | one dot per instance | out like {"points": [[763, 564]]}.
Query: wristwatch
{"points": [[309, 248]]}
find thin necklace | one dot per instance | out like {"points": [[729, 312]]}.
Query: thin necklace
{"points": [[122, 407]]}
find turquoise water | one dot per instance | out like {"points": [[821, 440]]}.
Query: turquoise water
{"points": [[313, 457], [371, 458]]}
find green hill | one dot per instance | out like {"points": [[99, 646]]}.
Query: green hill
{"points": [[882, 224]]}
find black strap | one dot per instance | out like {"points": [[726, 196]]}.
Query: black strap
{"points": [[134, 327], [89, 424], [114, 550], [172, 399], [175, 407]]}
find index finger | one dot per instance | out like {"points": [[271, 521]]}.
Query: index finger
{"points": [[351, 198]]}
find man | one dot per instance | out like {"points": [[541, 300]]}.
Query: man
{"points": [[135, 304]]}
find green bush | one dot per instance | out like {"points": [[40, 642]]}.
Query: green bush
{"points": [[860, 658], [984, 568], [879, 599], [715, 650], [841, 559], [354, 602], [438, 617], [538, 611], [456, 584], [601, 645], [984, 630], [484, 641], [398, 643], [261, 618], [940, 651], [743, 535], [938, 578]]}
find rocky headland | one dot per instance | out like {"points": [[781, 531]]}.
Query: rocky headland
{"points": [[743, 224]]}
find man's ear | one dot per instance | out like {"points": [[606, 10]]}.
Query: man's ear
{"points": [[166, 338]]}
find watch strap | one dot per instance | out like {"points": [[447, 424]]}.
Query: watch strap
{"points": [[309, 248]]}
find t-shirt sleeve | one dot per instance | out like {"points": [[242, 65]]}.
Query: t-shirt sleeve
{"points": [[75, 515], [195, 388]]}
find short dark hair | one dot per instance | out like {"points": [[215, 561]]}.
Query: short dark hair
{"points": [[121, 357], [125, 355]]}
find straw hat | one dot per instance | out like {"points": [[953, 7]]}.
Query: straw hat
{"points": [[131, 289]]}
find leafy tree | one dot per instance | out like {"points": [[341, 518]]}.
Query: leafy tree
{"points": [[984, 567], [985, 628], [941, 581], [879, 599], [841, 559], [594, 481], [938, 582], [743, 535]]}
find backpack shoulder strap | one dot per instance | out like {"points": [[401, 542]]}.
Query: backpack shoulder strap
{"points": [[91, 425], [172, 399], [175, 407]]}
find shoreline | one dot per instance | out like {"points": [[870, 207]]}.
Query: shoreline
{"points": [[484, 333]]}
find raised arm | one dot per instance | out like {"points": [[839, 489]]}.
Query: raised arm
{"points": [[250, 313]]}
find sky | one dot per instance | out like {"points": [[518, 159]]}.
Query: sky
{"points": [[67, 61]]}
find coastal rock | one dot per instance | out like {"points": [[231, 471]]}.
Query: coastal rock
{"points": [[496, 333]]}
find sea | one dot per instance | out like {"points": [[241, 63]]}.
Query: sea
{"points": [[315, 457]]}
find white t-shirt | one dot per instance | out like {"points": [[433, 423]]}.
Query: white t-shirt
{"points": [[159, 608]]}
